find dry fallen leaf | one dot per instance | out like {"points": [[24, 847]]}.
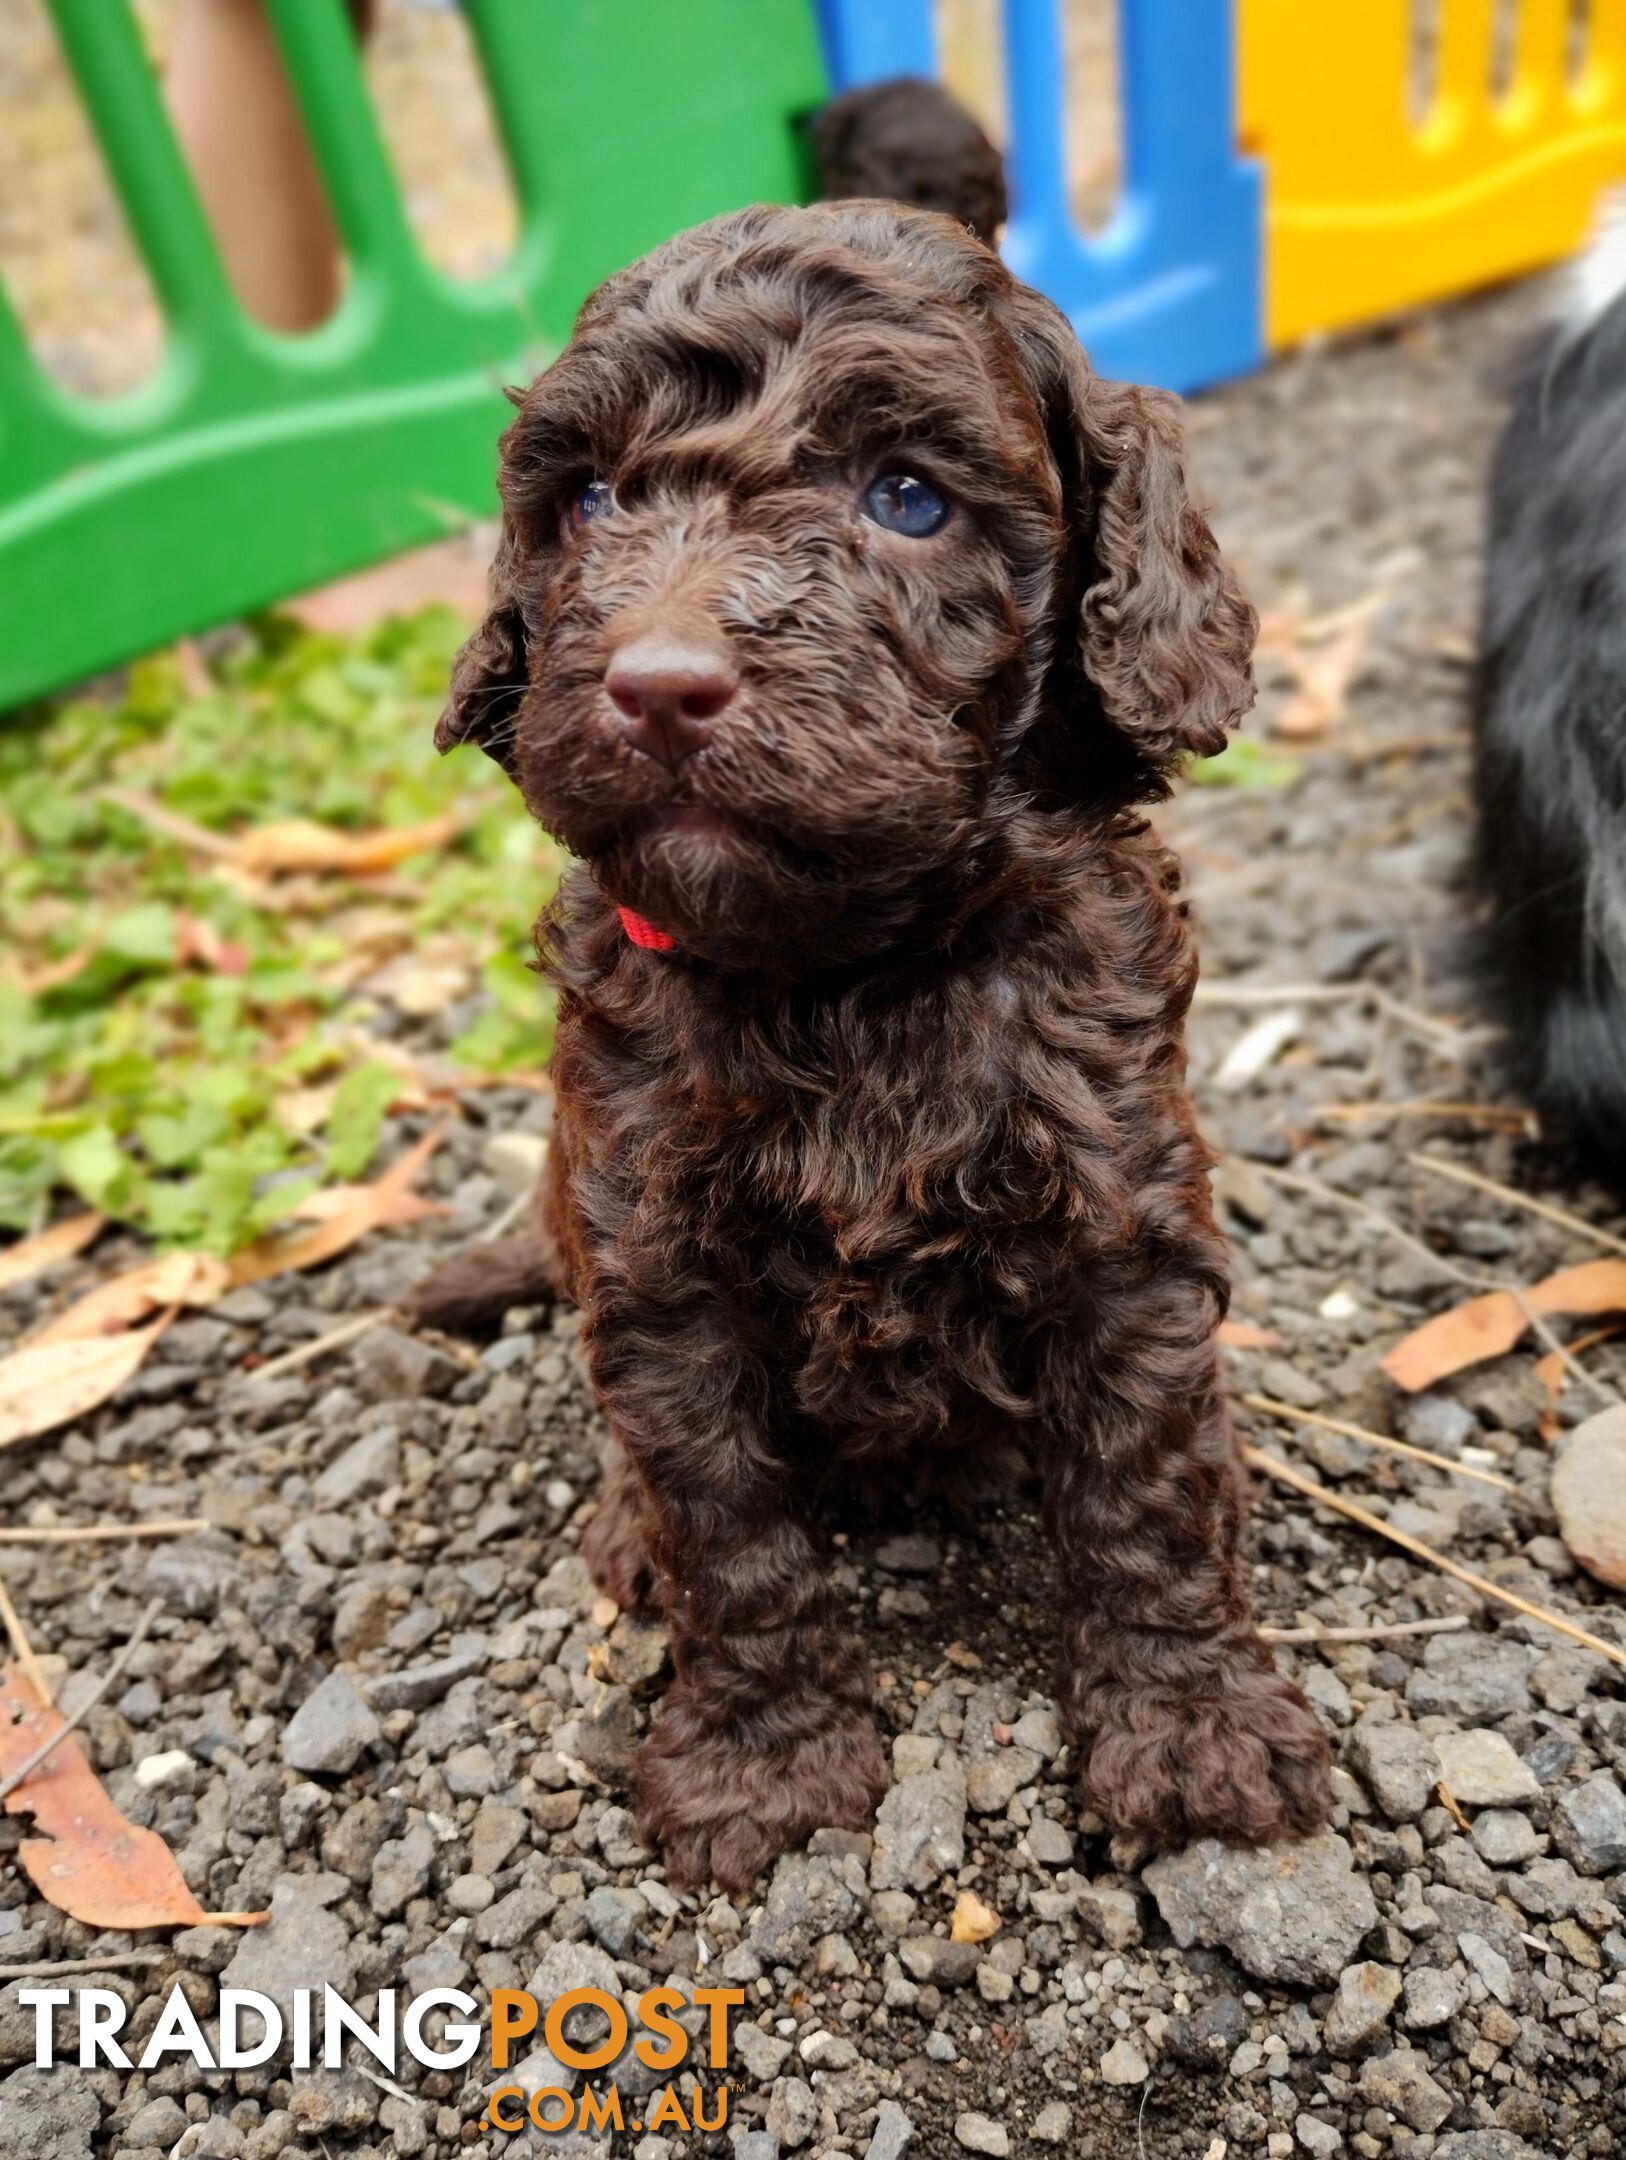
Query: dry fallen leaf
{"points": [[177, 1278], [1489, 1326], [87, 1860], [1323, 656], [973, 1921], [298, 844], [48, 1384], [61, 1242], [346, 1218], [1244, 1335]]}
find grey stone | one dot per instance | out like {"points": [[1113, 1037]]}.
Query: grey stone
{"points": [[1435, 1421], [1589, 1824], [331, 1730], [605, 1736], [1109, 1914], [1124, 2064], [361, 1616], [807, 1898], [1290, 1912], [192, 1575], [1360, 2009], [910, 1554], [471, 1772], [934, 1959], [1053, 2125], [401, 1870], [414, 1687], [763, 2053], [1492, 1967], [1476, 1678], [363, 1471], [1589, 1495], [302, 1945], [1400, 2082], [158, 2122], [1397, 1765], [1433, 1997], [793, 2112], [754, 2145], [392, 1366], [981, 2134], [1050, 1843], [920, 1830], [1040, 1731], [1504, 1837], [1318, 2137], [616, 1918], [49, 2114], [1481, 1770], [993, 1780], [1485, 2145], [514, 1919]]}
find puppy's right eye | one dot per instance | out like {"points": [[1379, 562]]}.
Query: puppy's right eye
{"points": [[596, 500]]}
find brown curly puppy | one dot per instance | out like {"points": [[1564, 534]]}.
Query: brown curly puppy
{"points": [[841, 618]]}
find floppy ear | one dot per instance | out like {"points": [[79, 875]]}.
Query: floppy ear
{"points": [[490, 676], [1165, 634]]}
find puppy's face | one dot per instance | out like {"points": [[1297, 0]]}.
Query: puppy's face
{"points": [[790, 565]]}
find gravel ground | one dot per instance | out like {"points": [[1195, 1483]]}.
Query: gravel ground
{"points": [[404, 1721]]}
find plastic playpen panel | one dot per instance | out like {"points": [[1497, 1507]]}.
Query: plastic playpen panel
{"points": [[1371, 206], [1169, 291], [252, 463]]}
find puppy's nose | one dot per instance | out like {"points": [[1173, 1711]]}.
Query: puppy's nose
{"points": [[669, 692]]}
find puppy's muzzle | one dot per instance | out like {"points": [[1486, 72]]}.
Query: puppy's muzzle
{"points": [[670, 692]]}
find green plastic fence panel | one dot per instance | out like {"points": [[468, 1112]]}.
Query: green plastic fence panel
{"points": [[252, 464]]}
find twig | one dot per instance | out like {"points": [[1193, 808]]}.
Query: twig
{"points": [[1271, 1466], [384, 2084], [1371, 1631], [23, 1648], [114, 1672], [1548, 1213], [1272, 1408], [1453, 1042], [319, 1345], [1501, 1117], [1329, 1196], [62, 1967], [1448, 1800], [113, 1532], [171, 824], [1560, 1350]]}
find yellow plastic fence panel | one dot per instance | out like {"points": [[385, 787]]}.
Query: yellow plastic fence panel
{"points": [[1373, 206]]}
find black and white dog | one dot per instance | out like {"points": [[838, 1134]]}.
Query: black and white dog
{"points": [[1550, 721]]}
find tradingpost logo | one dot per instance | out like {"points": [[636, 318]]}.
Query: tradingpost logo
{"points": [[251, 2029]]}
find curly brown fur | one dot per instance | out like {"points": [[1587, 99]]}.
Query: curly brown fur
{"points": [[892, 1161], [907, 140]]}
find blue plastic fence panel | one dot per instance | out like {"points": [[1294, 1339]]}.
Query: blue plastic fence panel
{"points": [[868, 40], [1170, 292]]}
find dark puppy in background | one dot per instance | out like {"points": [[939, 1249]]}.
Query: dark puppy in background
{"points": [[842, 619], [1550, 723], [907, 140]]}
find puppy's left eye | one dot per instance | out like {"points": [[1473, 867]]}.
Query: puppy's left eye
{"points": [[595, 501], [902, 503]]}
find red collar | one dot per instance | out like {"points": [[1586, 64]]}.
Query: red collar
{"points": [[644, 934]]}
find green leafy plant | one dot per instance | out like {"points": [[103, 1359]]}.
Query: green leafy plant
{"points": [[162, 1008]]}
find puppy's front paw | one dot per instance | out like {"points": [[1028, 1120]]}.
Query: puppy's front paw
{"points": [[721, 1808], [1241, 1758]]}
